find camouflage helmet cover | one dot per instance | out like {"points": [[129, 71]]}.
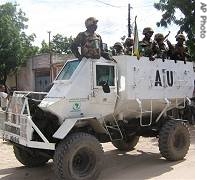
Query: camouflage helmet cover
{"points": [[180, 36], [90, 21], [118, 44], [159, 36], [147, 29], [129, 41]]}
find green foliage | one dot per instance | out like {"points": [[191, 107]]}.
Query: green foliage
{"points": [[27, 48], [59, 44], [15, 45], [186, 22], [45, 48]]}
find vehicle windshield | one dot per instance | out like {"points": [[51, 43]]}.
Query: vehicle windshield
{"points": [[68, 70]]}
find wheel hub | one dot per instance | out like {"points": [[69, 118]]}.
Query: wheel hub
{"points": [[83, 162]]}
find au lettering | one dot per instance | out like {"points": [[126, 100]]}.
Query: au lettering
{"points": [[169, 77]]}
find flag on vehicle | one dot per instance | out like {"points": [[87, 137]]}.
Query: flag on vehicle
{"points": [[136, 51]]}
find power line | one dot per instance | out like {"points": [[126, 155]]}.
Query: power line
{"points": [[116, 6], [110, 4]]}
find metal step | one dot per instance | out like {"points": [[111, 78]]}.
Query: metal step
{"points": [[114, 126], [144, 112]]}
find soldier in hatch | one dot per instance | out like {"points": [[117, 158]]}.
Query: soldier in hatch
{"points": [[159, 48], [118, 49], [90, 42], [145, 44], [129, 42], [180, 51]]}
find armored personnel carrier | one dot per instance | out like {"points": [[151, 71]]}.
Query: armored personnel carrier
{"points": [[97, 101]]}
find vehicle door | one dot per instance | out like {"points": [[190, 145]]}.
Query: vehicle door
{"points": [[105, 85]]}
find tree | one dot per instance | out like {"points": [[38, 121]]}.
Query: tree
{"points": [[59, 44], [15, 45], [45, 47], [186, 23]]}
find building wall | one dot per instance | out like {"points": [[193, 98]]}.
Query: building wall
{"points": [[25, 77], [36, 69], [41, 61], [11, 81]]}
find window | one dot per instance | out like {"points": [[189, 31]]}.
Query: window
{"points": [[42, 80], [68, 70], [105, 73]]}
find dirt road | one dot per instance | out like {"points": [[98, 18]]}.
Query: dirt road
{"points": [[144, 162]]}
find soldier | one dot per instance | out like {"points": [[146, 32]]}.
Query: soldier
{"points": [[180, 51], [90, 42], [129, 42], [145, 44], [159, 49], [118, 49]]}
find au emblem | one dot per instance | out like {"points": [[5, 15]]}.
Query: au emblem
{"points": [[76, 106]]}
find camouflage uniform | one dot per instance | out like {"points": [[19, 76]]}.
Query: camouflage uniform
{"points": [[129, 42], [91, 45], [146, 43], [90, 42], [118, 49], [180, 51], [158, 47]]}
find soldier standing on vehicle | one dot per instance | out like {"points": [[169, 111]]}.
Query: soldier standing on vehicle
{"points": [[90, 42], [180, 51], [118, 49], [146, 42]]}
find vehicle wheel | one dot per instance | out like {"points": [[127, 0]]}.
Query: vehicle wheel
{"points": [[78, 157], [126, 145], [30, 157], [174, 140]]}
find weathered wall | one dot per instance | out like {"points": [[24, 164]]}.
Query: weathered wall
{"points": [[39, 63]]}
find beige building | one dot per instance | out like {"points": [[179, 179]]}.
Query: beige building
{"points": [[38, 72]]}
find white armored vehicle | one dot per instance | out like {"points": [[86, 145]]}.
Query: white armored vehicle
{"points": [[97, 101]]}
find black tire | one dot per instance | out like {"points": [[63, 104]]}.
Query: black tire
{"points": [[32, 159], [174, 140], [126, 145], [78, 157]]}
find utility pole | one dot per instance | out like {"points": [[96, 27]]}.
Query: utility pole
{"points": [[49, 32], [129, 20], [50, 53]]}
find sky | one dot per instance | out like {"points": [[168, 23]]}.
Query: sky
{"points": [[67, 17]]}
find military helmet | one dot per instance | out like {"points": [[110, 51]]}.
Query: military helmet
{"points": [[180, 36], [129, 41], [90, 21], [147, 29], [158, 36], [118, 44]]}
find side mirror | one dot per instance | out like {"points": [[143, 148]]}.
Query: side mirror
{"points": [[105, 86]]}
